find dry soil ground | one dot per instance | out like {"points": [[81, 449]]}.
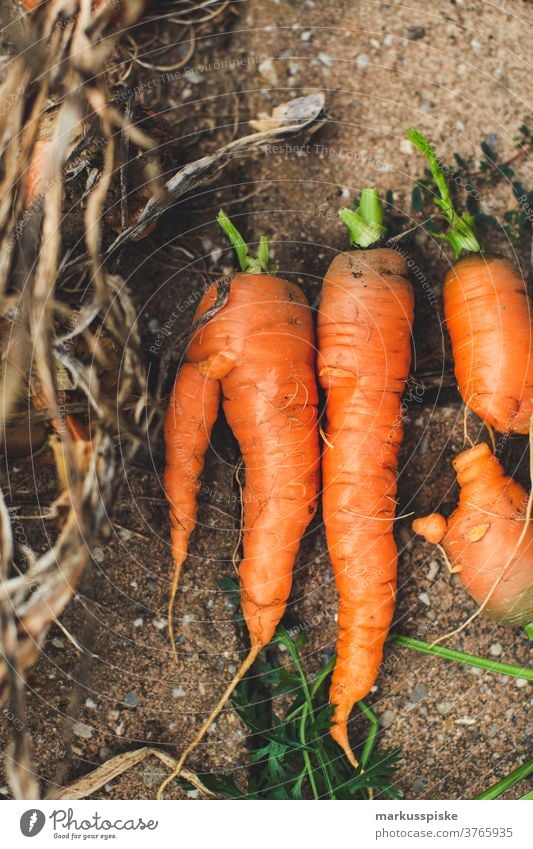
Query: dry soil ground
{"points": [[460, 71]]}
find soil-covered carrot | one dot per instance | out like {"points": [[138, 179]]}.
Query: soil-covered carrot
{"points": [[488, 315], [488, 538], [258, 351], [364, 333]]}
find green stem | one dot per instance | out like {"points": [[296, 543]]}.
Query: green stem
{"points": [[248, 263], [308, 710], [509, 781], [307, 759], [460, 657], [461, 234], [372, 736], [529, 630], [365, 223]]}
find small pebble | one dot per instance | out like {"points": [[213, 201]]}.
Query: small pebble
{"points": [[406, 146], [153, 325], [326, 59], [4, 790], [465, 720], [475, 45], [90, 704], [362, 61], [80, 729], [459, 126], [415, 33], [521, 682], [388, 41], [178, 692], [153, 775], [192, 794], [433, 570], [306, 36], [131, 700], [193, 77], [388, 717], [444, 707], [268, 71], [160, 623], [57, 643], [496, 649], [138, 623], [419, 693], [424, 598], [186, 92], [98, 554], [119, 729]]}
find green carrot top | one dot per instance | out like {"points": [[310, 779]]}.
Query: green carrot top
{"points": [[258, 264], [461, 235], [365, 222]]}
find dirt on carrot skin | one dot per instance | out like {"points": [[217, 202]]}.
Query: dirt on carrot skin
{"points": [[461, 729]]}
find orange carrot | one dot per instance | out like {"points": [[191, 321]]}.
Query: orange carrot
{"points": [[364, 329], [258, 349], [488, 539], [488, 315]]}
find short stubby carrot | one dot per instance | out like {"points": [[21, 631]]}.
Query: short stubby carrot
{"points": [[364, 333], [489, 318], [487, 539]]}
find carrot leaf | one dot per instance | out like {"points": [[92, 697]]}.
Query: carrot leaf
{"points": [[365, 222], [248, 263], [287, 714], [460, 235]]}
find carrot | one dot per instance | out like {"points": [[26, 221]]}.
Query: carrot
{"points": [[258, 350], [488, 315], [488, 539], [364, 328]]}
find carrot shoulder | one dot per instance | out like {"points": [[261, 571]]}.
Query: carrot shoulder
{"points": [[364, 330]]}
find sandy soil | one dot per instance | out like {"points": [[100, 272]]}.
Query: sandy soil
{"points": [[458, 70]]}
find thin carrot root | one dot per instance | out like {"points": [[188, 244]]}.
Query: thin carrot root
{"points": [[171, 603], [492, 436], [339, 732], [239, 675]]}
